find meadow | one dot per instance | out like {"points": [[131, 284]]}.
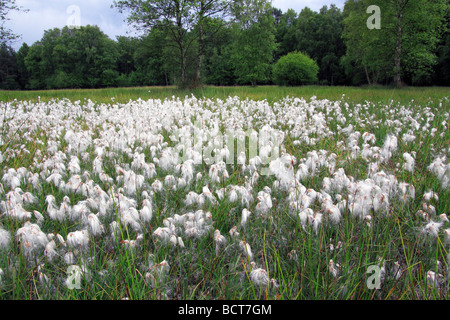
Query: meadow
{"points": [[237, 193], [376, 94]]}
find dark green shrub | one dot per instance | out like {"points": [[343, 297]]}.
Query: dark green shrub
{"points": [[295, 69]]}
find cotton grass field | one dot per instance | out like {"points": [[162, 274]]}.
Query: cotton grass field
{"points": [[227, 193]]}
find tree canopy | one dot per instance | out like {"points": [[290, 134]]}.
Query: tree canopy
{"points": [[237, 42], [7, 35], [404, 47]]}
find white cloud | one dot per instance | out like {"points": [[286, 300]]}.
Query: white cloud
{"points": [[49, 14]]}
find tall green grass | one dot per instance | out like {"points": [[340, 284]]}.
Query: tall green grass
{"points": [[419, 95]]}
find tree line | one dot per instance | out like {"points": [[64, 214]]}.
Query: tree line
{"points": [[239, 42]]}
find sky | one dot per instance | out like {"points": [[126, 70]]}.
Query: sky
{"points": [[48, 14]]}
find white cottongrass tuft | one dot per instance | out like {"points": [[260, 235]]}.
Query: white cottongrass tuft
{"points": [[95, 227], [233, 232], [163, 234], [130, 217], [434, 280], [334, 268], [5, 238], [441, 169], [31, 239], [333, 212], [389, 147], [447, 236], [246, 249], [259, 278], [146, 211], [409, 162], [432, 228], [264, 204], [245, 216], [430, 194], [220, 242], [157, 273], [50, 251], [78, 239]]}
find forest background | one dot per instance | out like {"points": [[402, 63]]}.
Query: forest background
{"points": [[190, 43]]}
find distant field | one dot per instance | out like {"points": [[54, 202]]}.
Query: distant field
{"points": [[271, 93]]}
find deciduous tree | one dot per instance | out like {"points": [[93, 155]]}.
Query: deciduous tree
{"points": [[254, 41], [404, 45], [7, 35]]}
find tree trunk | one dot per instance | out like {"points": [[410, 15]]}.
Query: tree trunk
{"points": [[199, 55], [400, 7], [397, 59], [180, 40], [201, 16], [367, 75], [183, 63]]}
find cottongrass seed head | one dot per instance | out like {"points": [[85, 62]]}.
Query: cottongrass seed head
{"points": [[5, 238]]}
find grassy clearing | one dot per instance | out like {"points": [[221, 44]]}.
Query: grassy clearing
{"points": [[316, 259], [270, 93]]}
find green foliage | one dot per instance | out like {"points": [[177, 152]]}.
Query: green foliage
{"points": [[7, 36], [183, 21], [254, 42], [66, 58], [8, 68], [23, 74], [442, 68], [295, 69], [317, 34], [218, 69], [403, 48], [286, 33], [196, 44], [153, 59]]}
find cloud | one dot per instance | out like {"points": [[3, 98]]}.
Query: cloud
{"points": [[49, 14]]}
